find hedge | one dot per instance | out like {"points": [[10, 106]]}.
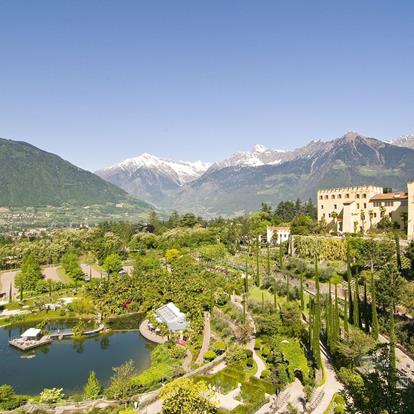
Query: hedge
{"points": [[327, 248]]}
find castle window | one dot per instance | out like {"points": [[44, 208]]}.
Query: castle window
{"points": [[322, 207], [346, 195], [326, 197], [389, 203], [333, 197], [339, 196], [357, 205], [335, 207], [364, 196], [320, 197], [375, 215], [365, 205], [357, 196], [377, 203]]}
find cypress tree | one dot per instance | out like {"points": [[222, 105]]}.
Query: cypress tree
{"points": [[246, 283], [328, 324], [244, 307], [346, 327], [262, 300], [257, 262], [317, 324], [275, 294], [329, 316], [366, 313], [10, 293], [268, 260], [374, 317], [349, 279], [355, 317], [336, 319], [280, 257], [302, 298], [398, 250]]}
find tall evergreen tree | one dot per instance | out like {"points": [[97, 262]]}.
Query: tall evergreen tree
{"points": [[355, 318], [336, 319], [268, 260], [275, 294], [366, 313], [317, 321], [398, 250], [374, 317], [257, 262], [346, 327], [329, 330], [349, 280], [302, 298], [246, 279]]}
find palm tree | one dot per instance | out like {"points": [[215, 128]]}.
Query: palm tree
{"points": [[334, 215], [371, 215], [362, 216]]}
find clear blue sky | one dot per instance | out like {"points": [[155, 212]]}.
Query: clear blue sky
{"points": [[98, 81]]}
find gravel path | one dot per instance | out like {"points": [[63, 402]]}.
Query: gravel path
{"points": [[324, 394], [7, 279], [90, 270], [52, 274], [206, 338]]}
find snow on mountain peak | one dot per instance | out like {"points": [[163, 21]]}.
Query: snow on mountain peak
{"points": [[259, 148], [180, 171]]}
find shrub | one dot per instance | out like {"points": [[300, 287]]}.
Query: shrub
{"points": [[249, 353], [51, 395], [8, 398], [257, 344], [210, 355], [265, 374], [219, 347], [249, 362], [93, 387], [265, 351], [236, 355]]}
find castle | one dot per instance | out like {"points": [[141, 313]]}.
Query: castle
{"points": [[358, 209]]}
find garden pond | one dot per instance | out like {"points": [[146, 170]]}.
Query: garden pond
{"points": [[66, 363]]}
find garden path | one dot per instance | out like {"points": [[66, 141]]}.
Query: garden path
{"points": [[261, 366], [324, 394], [187, 361], [52, 274], [7, 279], [228, 401], [90, 270], [206, 338]]}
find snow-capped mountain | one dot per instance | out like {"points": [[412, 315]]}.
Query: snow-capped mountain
{"points": [[259, 155], [180, 171], [404, 141], [151, 177]]}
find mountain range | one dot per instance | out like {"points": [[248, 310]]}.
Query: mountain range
{"points": [[31, 177], [241, 182], [236, 185]]}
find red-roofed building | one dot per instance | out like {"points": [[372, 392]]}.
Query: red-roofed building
{"points": [[356, 209]]}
